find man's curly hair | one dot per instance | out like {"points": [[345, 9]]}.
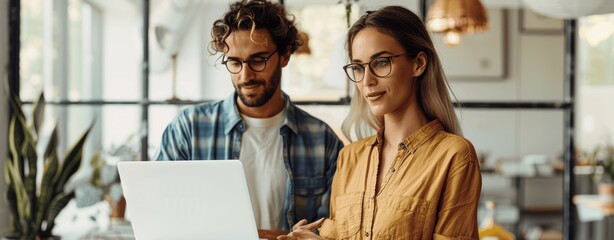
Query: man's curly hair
{"points": [[252, 15]]}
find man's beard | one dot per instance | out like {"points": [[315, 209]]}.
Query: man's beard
{"points": [[252, 100]]}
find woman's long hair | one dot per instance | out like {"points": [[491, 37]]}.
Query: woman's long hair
{"points": [[433, 95]]}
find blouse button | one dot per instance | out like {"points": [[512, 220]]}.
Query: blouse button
{"points": [[393, 170], [366, 234]]}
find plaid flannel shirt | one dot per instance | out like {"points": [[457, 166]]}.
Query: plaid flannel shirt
{"points": [[310, 148]]}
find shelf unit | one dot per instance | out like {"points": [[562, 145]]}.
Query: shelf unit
{"points": [[570, 35], [519, 185]]}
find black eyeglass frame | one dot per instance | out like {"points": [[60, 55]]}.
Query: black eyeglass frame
{"points": [[249, 63], [370, 68]]}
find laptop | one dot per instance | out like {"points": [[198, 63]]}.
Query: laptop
{"points": [[188, 199]]}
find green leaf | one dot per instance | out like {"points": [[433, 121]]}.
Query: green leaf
{"points": [[21, 196], [72, 161], [11, 197], [30, 160], [7, 177], [16, 138], [52, 145], [16, 106], [55, 207], [46, 193], [16, 142], [97, 165], [14, 173], [38, 113]]}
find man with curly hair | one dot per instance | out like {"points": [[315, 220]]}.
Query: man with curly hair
{"points": [[289, 156]]}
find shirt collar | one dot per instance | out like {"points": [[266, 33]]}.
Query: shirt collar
{"points": [[415, 139], [232, 117]]}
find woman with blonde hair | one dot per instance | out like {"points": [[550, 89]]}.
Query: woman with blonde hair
{"points": [[417, 178]]}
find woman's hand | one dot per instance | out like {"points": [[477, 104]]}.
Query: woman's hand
{"points": [[303, 230]]}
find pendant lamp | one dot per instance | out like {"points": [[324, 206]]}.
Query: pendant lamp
{"points": [[456, 17]]}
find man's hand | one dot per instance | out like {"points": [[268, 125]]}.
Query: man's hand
{"points": [[303, 230]]}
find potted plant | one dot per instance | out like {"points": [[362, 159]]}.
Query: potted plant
{"points": [[104, 184], [34, 203], [602, 158]]}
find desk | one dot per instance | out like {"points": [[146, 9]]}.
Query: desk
{"points": [[122, 230], [119, 229], [532, 203], [593, 208], [594, 201], [270, 234]]}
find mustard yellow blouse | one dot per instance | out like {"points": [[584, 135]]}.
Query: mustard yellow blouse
{"points": [[430, 192]]}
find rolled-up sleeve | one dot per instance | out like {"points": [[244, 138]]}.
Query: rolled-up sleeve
{"points": [[457, 215]]}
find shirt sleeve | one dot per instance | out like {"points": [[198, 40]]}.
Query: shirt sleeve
{"points": [[175, 141], [457, 210], [333, 146]]}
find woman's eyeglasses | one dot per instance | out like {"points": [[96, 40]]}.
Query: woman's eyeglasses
{"points": [[379, 66]]}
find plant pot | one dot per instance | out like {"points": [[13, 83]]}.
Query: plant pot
{"points": [[118, 209], [606, 193], [10, 236], [16, 237]]}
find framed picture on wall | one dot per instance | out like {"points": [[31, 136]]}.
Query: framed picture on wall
{"points": [[479, 56], [534, 23]]}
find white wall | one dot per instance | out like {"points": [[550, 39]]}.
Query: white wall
{"points": [[535, 69], [4, 216]]}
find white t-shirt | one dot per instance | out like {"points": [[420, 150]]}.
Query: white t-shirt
{"points": [[261, 154]]}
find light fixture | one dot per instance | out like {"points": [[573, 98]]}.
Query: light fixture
{"points": [[169, 23], [174, 97], [456, 17], [452, 38]]}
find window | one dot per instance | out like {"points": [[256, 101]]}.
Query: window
{"points": [[595, 80], [87, 56], [62, 52]]}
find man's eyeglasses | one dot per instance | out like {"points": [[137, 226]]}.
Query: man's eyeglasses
{"points": [[256, 64], [379, 66]]}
